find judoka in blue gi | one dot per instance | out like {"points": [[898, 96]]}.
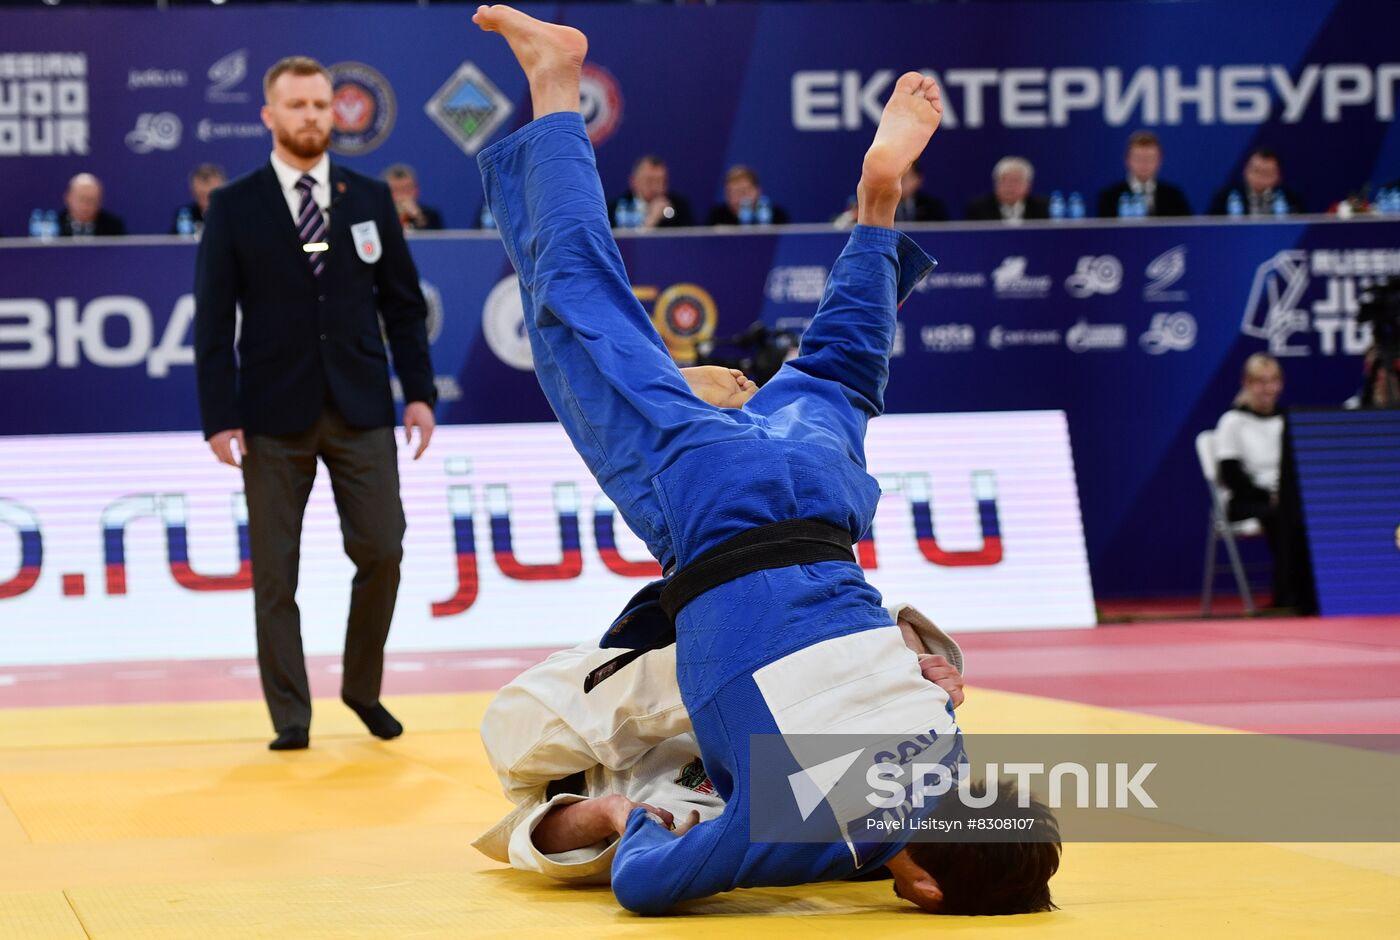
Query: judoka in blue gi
{"points": [[801, 649]]}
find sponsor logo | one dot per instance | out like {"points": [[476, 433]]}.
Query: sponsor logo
{"points": [[693, 777], [1087, 337], [503, 325], [142, 79], [948, 337], [1095, 274], [1299, 292], [1010, 280], [225, 76], [952, 280], [362, 108], [468, 108], [600, 102], [43, 104], [685, 315], [998, 337], [1162, 272], [1169, 332], [797, 284], [208, 131], [154, 132]]}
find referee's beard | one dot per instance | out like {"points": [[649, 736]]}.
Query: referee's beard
{"points": [[307, 143]]}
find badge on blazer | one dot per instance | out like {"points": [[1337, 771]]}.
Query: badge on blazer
{"points": [[365, 235]]}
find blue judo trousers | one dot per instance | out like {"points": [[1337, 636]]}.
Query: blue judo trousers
{"points": [[801, 649]]}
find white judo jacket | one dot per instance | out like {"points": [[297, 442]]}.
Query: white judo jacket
{"points": [[630, 735]]}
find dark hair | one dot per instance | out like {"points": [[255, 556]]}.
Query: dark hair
{"points": [[1010, 877], [648, 159], [1143, 139], [1264, 153]]}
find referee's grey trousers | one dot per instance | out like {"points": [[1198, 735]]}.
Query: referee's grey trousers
{"points": [[278, 472]]}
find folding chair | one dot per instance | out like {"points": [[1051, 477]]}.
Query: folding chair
{"points": [[1222, 529]]}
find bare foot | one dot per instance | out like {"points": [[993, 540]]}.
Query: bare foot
{"points": [[550, 55], [721, 387], [909, 120]]}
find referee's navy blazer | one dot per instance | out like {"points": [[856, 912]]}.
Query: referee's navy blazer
{"points": [[304, 338]]}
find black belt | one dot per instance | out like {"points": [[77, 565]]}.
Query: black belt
{"points": [[776, 545]]}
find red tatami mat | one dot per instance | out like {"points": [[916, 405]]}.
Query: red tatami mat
{"points": [[1300, 675]]}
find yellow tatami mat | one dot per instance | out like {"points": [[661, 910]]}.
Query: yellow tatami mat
{"points": [[173, 821]]}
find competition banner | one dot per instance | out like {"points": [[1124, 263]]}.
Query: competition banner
{"points": [[135, 546], [1137, 331], [141, 97]]}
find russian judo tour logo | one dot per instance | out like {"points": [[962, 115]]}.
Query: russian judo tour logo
{"points": [[468, 108], [43, 104], [600, 102], [362, 108], [1299, 292]]}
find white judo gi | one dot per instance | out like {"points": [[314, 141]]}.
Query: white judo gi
{"points": [[630, 735]]}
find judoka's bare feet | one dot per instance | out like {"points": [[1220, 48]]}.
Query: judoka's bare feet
{"points": [[909, 120], [721, 387], [551, 55]]}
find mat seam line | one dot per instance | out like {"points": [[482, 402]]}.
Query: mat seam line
{"points": [[81, 925], [10, 807]]}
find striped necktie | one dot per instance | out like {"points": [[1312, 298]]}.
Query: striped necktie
{"points": [[311, 224]]}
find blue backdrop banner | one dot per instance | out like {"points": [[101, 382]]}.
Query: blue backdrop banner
{"points": [[141, 97], [1349, 473], [1136, 330]]}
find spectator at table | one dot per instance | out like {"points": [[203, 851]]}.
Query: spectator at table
{"points": [[403, 187], [189, 218], [83, 214], [744, 202], [1157, 197], [649, 202], [1011, 199], [1262, 192]]}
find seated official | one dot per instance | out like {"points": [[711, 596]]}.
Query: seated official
{"points": [[189, 218], [1141, 187], [649, 202], [403, 187], [744, 202], [1263, 192], [1249, 455], [83, 214], [1011, 199]]}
